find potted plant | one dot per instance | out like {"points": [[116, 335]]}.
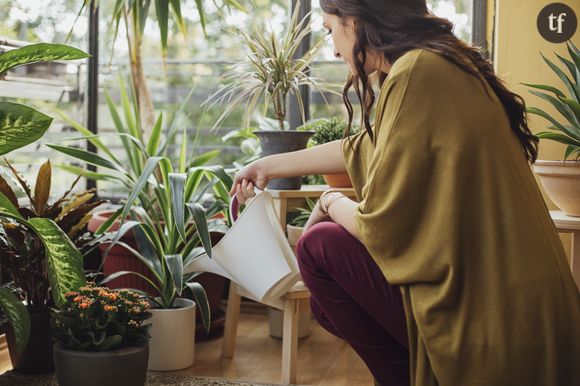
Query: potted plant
{"points": [[328, 130], [62, 263], [101, 338], [271, 72], [126, 168], [296, 225], [24, 259], [171, 228], [561, 179]]}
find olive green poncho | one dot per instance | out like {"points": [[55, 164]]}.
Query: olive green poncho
{"points": [[450, 211]]}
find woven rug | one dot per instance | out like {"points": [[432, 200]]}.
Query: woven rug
{"points": [[10, 378]]}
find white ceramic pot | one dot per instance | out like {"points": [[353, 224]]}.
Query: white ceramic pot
{"points": [[561, 180], [172, 344]]}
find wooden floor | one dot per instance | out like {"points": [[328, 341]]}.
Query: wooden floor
{"points": [[322, 358]]}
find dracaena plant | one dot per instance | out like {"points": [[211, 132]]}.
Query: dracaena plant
{"points": [[567, 103], [19, 126], [271, 71]]}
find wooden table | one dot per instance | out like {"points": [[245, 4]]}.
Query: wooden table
{"points": [[568, 224], [286, 200]]}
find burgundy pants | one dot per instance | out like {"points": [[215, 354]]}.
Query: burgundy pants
{"points": [[352, 300]]}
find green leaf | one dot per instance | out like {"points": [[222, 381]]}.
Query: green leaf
{"points": [[177, 186], [199, 4], [91, 137], [557, 125], [77, 170], [569, 65], [562, 77], [153, 143], [558, 138], [88, 157], [176, 6], [20, 126], [162, 9], [546, 88], [17, 316], [558, 104], [198, 214], [175, 265], [204, 158], [65, 262], [202, 303], [150, 166], [6, 206], [183, 152], [119, 274], [41, 52], [575, 108]]}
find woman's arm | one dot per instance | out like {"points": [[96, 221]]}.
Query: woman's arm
{"points": [[322, 159], [342, 212]]}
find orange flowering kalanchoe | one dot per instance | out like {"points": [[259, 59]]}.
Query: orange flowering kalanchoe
{"points": [[100, 319]]}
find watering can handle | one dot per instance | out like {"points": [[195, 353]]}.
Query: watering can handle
{"points": [[235, 205]]}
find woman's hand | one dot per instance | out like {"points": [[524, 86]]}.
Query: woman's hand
{"points": [[250, 176], [315, 217]]}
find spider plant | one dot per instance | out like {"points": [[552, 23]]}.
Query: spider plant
{"points": [[271, 71], [566, 103]]}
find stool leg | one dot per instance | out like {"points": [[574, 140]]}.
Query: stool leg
{"points": [[290, 341], [231, 325]]}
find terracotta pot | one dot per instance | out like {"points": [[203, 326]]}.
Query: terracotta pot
{"points": [[126, 366], [561, 180], [36, 358], [119, 258], [341, 180]]}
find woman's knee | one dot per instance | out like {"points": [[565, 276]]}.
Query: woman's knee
{"points": [[318, 241]]}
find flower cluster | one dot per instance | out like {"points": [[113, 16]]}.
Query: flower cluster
{"points": [[99, 319]]}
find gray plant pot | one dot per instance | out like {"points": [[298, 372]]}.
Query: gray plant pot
{"points": [[126, 366], [276, 142]]}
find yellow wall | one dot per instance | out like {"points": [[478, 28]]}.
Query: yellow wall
{"points": [[517, 47], [517, 56]]}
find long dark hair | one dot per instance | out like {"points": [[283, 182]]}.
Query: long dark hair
{"points": [[395, 27]]}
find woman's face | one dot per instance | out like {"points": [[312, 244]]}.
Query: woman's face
{"points": [[343, 35]]}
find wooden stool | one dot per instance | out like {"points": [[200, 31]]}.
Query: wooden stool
{"points": [[291, 310]]}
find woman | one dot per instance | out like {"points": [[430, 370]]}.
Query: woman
{"points": [[448, 270]]}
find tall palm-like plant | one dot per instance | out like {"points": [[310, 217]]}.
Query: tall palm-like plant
{"points": [[19, 126], [134, 14], [271, 71]]}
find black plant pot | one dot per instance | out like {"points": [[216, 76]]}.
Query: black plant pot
{"points": [[276, 142], [36, 358], [126, 366]]}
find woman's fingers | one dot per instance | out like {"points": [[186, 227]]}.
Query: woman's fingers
{"points": [[244, 191]]}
